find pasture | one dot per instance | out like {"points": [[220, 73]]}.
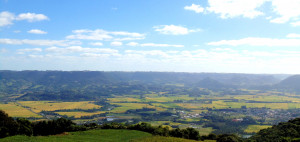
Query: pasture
{"points": [[15, 110], [255, 128], [39, 106]]}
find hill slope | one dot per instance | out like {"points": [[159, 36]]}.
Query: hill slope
{"points": [[98, 135], [290, 84]]}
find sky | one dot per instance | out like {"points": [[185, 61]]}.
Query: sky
{"points": [[223, 36]]}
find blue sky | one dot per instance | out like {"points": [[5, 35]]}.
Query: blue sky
{"points": [[226, 36]]}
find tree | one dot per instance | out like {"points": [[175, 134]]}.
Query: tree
{"points": [[24, 127], [8, 126]]}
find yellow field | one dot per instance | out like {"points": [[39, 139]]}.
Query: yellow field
{"points": [[169, 105], [80, 113], [255, 128], [39, 106], [127, 106], [258, 105], [15, 110], [167, 99], [192, 105], [114, 100]]}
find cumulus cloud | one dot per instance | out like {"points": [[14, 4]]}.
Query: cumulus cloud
{"points": [[160, 45], [174, 30], [201, 60], [194, 7], [132, 44], [36, 31], [3, 50], [295, 24], [96, 43], [147, 53], [97, 55], [235, 8], [153, 45], [6, 18], [116, 43], [293, 35], [22, 51], [287, 9], [38, 42], [100, 34], [256, 41], [32, 17], [73, 49]]}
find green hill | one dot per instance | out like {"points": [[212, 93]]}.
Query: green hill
{"points": [[108, 135]]}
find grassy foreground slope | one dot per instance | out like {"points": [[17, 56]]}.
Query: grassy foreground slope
{"points": [[97, 135], [92, 135]]}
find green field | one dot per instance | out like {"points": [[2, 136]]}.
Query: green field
{"points": [[256, 128], [92, 135], [98, 135]]}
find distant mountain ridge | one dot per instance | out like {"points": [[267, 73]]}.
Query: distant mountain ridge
{"points": [[290, 84], [88, 85]]}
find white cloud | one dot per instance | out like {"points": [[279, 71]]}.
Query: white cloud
{"points": [[254, 41], [32, 17], [153, 45], [38, 42], [116, 43], [90, 35], [73, 49], [3, 50], [295, 24], [132, 44], [174, 30], [284, 10], [160, 45], [293, 35], [6, 18], [22, 51], [202, 60], [36, 31], [148, 53], [97, 43], [35, 56], [287, 9], [194, 7], [235, 8], [100, 34]]}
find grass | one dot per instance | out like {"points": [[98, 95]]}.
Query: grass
{"points": [[157, 123], [79, 114], [123, 99], [166, 105], [91, 136], [255, 128], [39, 106], [127, 106], [167, 99], [166, 139], [99, 135], [14, 110]]}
